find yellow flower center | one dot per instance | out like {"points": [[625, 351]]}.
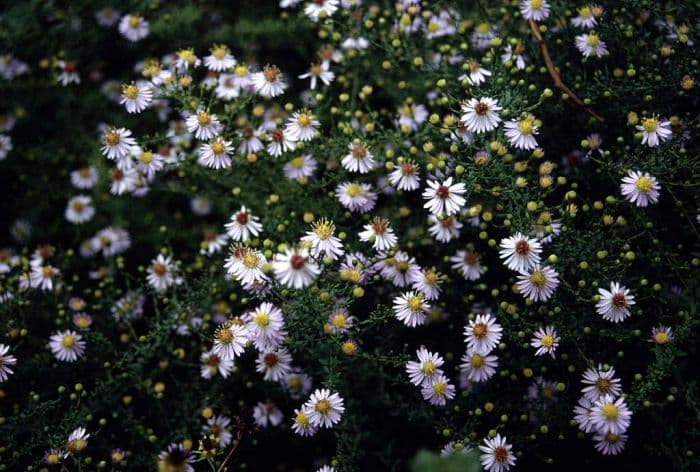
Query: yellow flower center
{"points": [[610, 412], [650, 124], [146, 157], [262, 319], [339, 321], [298, 162], [250, 260], [186, 55], [203, 118], [537, 279], [225, 336], [353, 190], [535, 4], [219, 52], [585, 12], [112, 138], [480, 330], [304, 120], [415, 303], [643, 184], [439, 388], [428, 368], [593, 40], [431, 278], [323, 230], [217, 147], [134, 21], [323, 406], [131, 92], [302, 419], [477, 361], [525, 126], [83, 322], [240, 70], [547, 341], [68, 341], [483, 28], [661, 337]]}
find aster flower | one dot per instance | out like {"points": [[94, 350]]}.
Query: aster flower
{"points": [[661, 335], [640, 188], [318, 72], [213, 364], [521, 132], [599, 383], [136, 97], [359, 159], [176, 458], [218, 426], [520, 252], [243, 225], [536, 10], [161, 273], [478, 367], [610, 444], [654, 131], [204, 125], [148, 163], [300, 168], [610, 415], [514, 54], [586, 19], [279, 143], [67, 346], [69, 73], [325, 408], [339, 321], [220, 59], [123, 181], [546, 341], [247, 265], [322, 240], [582, 415], [320, 9], [444, 198], [274, 364], [406, 177], [267, 414], [412, 116], [438, 391], [614, 305], [117, 143], [42, 276], [468, 264], [590, 44], [411, 308], [481, 114], [215, 154], [230, 340], [426, 370], [133, 27], [482, 334], [295, 269], [77, 441], [301, 126], [297, 383], [302, 423], [444, 228], [79, 209], [476, 74], [497, 455], [539, 283], [379, 233], [6, 360], [269, 82], [212, 243], [356, 197], [84, 178], [265, 326]]}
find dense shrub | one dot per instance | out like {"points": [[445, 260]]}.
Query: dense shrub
{"points": [[332, 233]]}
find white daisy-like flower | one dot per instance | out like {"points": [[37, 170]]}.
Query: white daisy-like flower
{"points": [[117, 143], [468, 264], [412, 116], [300, 168], [136, 97], [406, 176], [586, 18], [654, 131], [614, 304], [411, 308], [610, 444], [302, 423], [186, 59], [79, 209], [478, 367], [426, 369], [356, 197], [318, 72], [266, 326], [133, 27], [610, 415], [218, 426], [220, 59], [123, 181], [640, 188], [77, 440], [590, 44], [482, 334], [539, 283], [359, 159], [520, 253], [267, 414], [481, 114], [230, 340], [148, 163], [514, 54], [444, 198], [213, 364], [320, 9], [212, 243], [322, 240], [536, 10], [67, 346], [521, 132], [84, 178], [325, 408], [582, 415], [444, 228], [279, 143], [295, 269], [379, 233], [438, 391], [546, 341], [427, 282], [42, 276], [301, 126], [339, 321], [215, 154], [599, 383], [476, 74], [497, 455], [204, 125], [243, 225], [161, 273], [246, 264], [69, 73], [269, 82], [274, 364], [6, 360]]}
